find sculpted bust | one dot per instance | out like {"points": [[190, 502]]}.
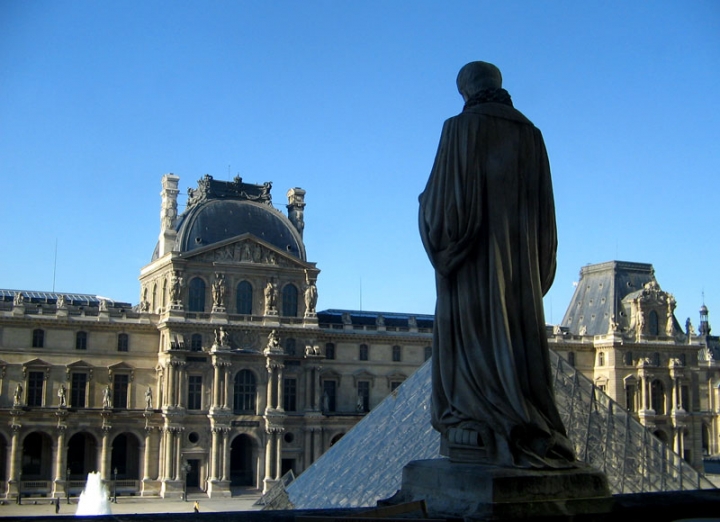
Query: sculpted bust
{"points": [[487, 221]]}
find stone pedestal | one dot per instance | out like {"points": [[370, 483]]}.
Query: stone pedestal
{"points": [[481, 492]]}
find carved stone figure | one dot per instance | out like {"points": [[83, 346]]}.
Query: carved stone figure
{"points": [[218, 291], [689, 328], [107, 397], [103, 306], [271, 294], [221, 337], [487, 221], [148, 398], [246, 253], [17, 396], [273, 344], [60, 303], [62, 396], [176, 284], [360, 406], [311, 295], [18, 299]]}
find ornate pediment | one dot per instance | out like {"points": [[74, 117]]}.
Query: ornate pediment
{"points": [[246, 249]]}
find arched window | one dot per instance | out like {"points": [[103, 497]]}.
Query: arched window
{"points": [[428, 352], [196, 342], [245, 392], [657, 397], [244, 298], [164, 293], [123, 342], [196, 300], [329, 351], [628, 358], [290, 301], [653, 323], [38, 338], [81, 341], [290, 346], [363, 355], [396, 353], [154, 298]]}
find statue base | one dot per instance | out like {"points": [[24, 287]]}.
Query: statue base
{"points": [[477, 491]]}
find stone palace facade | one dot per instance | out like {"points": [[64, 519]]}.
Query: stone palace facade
{"points": [[225, 375]]}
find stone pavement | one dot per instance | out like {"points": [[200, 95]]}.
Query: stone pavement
{"points": [[137, 505]]}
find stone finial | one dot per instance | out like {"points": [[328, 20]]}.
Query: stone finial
{"points": [[296, 208]]}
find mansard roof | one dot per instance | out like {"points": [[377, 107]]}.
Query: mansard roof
{"points": [[33, 296], [599, 294], [367, 318]]}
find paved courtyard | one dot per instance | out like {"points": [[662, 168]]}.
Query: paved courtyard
{"points": [[137, 505]]}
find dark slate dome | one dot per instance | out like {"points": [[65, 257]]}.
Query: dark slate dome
{"points": [[219, 210]]}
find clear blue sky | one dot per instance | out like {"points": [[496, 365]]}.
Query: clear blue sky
{"points": [[346, 99]]}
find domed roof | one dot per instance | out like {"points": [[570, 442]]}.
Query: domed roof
{"points": [[219, 210]]}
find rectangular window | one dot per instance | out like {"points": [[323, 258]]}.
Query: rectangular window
{"points": [[363, 396], [290, 394], [363, 355], [685, 400], [120, 390], [329, 395], [38, 339], [36, 380], [78, 389], [123, 342], [394, 385], [81, 341], [329, 351], [630, 397], [194, 392]]}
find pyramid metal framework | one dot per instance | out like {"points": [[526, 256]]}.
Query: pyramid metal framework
{"points": [[366, 464]]}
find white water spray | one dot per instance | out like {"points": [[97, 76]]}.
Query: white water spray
{"points": [[94, 499]]}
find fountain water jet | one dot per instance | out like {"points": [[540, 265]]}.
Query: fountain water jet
{"points": [[94, 499]]}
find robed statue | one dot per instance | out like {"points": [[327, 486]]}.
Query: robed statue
{"points": [[487, 222]]}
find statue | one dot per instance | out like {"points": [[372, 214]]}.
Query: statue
{"points": [[148, 398], [103, 306], [271, 293], [221, 337], [218, 290], [176, 284], [60, 303], [17, 396], [18, 299], [487, 221], [62, 396], [273, 344], [107, 397], [311, 295]]}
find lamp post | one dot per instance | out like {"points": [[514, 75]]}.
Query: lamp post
{"points": [[67, 485], [115, 486], [185, 469]]}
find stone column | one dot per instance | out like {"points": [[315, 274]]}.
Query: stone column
{"points": [[674, 395], [146, 455], [178, 453], [227, 403], [270, 387], [168, 454], [278, 454], [318, 392], [60, 457], [171, 385], [317, 443], [214, 455], [279, 396], [105, 454], [216, 384], [307, 449], [15, 450], [268, 455], [226, 455]]}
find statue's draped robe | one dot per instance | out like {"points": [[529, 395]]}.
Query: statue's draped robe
{"points": [[487, 221]]}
